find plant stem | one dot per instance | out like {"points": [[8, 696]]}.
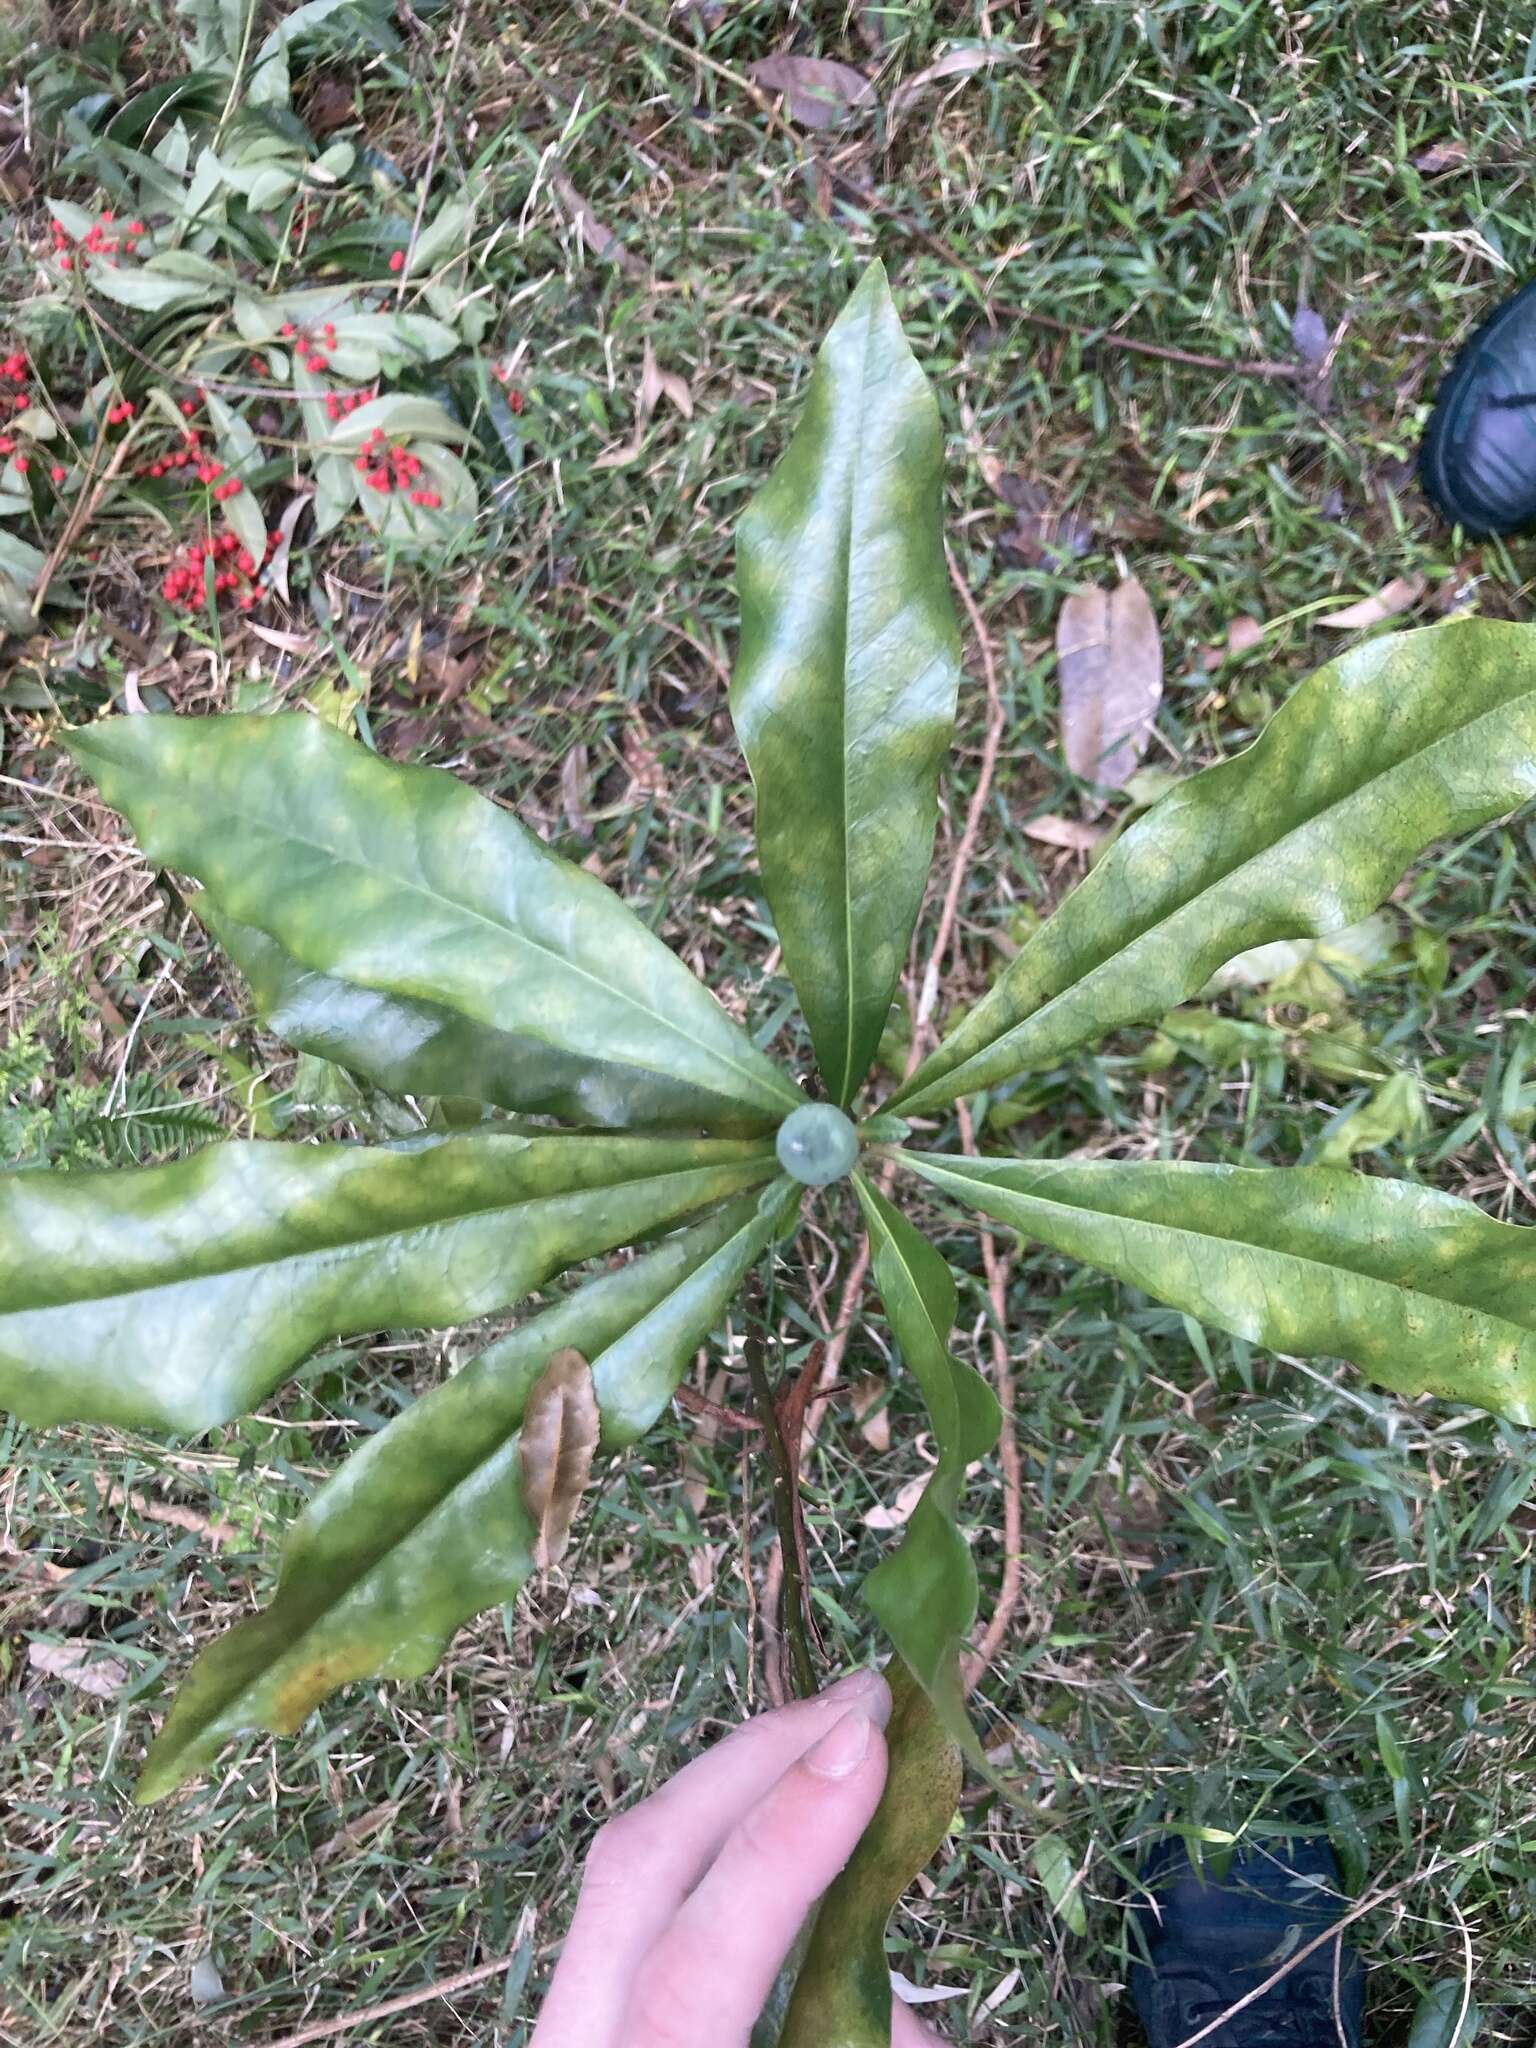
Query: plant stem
{"points": [[792, 1590]]}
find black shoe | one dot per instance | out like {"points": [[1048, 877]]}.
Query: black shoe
{"points": [[1478, 461], [1211, 1943]]}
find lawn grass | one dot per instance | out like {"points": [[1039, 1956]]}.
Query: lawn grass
{"points": [[1245, 1582]]}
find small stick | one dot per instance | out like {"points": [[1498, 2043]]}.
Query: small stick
{"points": [[441, 1987], [785, 1509]]}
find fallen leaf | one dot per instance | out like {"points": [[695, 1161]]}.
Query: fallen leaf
{"points": [[77, 1664], [602, 241], [1243, 633], [646, 775], [555, 1451], [1193, 181], [204, 1984], [1110, 660], [1399, 595], [288, 519], [1309, 334], [953, 64], [874, 1418], [818, 92], [1041, 537], [1440, 156], [900, 1510], [655, 384], [1071, 833], [329, 104], [573, 776]]}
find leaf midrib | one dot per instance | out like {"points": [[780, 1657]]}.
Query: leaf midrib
{"points": [[1155, 924], [955, 1183], [361, 1238], [288, 831]]}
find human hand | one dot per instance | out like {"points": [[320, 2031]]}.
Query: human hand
{"points": [[691, 1900]]}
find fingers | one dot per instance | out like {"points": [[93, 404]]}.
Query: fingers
{"points": [[908, 2031], [704, 1982], [643, 1865]]}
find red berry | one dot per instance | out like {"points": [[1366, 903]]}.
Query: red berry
{"points": [[318, 363], [287, 330], [397, 261], [379, 479], [362, 464], [188, 407], [66, 262], [57, 474], [136, 227], [22, 464]]}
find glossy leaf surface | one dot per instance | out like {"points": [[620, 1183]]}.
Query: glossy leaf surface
{"points": [[173, 1297], [1424, 1293], [844, 692], [842, 1998], [1406, 740], [402, 1046], [924, 1594], [403, 880], [426, 1524]]}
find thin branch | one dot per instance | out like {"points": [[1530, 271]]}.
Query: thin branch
{"points": [[966, 844], [995, 1266], [724, 1418], [441, 1987], [786, 1501]]}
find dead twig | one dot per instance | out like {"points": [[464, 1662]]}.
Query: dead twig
{"points": [[995, 1266], [441, 1987]]}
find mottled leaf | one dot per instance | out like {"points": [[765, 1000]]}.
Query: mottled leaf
{"points": [[842, 1998], [172, 1297], [402, 880], [924, 1594], [844, 692], [1424, 1293], [554, 1455], [1398, 743], [425, 1525], [1109, 658]]}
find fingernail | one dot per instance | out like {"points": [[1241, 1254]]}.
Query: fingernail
{"points": [[843, 1748], [869, 1689]]}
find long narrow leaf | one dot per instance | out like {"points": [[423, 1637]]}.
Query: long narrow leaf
{"points": [[172, 1297], [842, 1997], [1401, 742], [844, 693], [426, 1525], [1423, 1292], [403, 880], [924, 1594]]}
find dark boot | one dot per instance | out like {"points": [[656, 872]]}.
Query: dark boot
{"points": [[1478, 461], [1210, 1943]]}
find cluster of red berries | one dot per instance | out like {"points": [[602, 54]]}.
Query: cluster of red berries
{"points": [[386, 466], [97, 240], [306, 348], [183, 582], [339, 403], [14, 371], [504, 378], [117, 414]]}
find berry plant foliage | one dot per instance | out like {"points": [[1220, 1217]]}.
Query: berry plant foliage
{"points": [[391, 920]]}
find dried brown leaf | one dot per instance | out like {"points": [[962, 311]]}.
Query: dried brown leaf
{"points": [[953, 64], [1110, 660], [1071, 833], [1243, 633], [555, 1452], [77, 1664], [867, 1400], [601, 240], [1440, 156], [898, 1512], [818, 91], [573, 782], [1400, 595]]}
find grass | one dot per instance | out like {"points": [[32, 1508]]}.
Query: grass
{"points": [[1245, 1581]]}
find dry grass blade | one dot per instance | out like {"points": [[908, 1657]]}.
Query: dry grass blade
{"points": [[559, 1440]]}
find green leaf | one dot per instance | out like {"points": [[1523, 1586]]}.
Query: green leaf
{"points": [[173, 1297], [412, 335], [238, 450], [1056, 1871], [403, 418], [844, 692], [405, 881], [444, 236], [1424, 1293], [1411, 738], [269, 83], [924, 1594], [842, 1998], [1447, 2016], [425, 1526], [141, 291]]}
